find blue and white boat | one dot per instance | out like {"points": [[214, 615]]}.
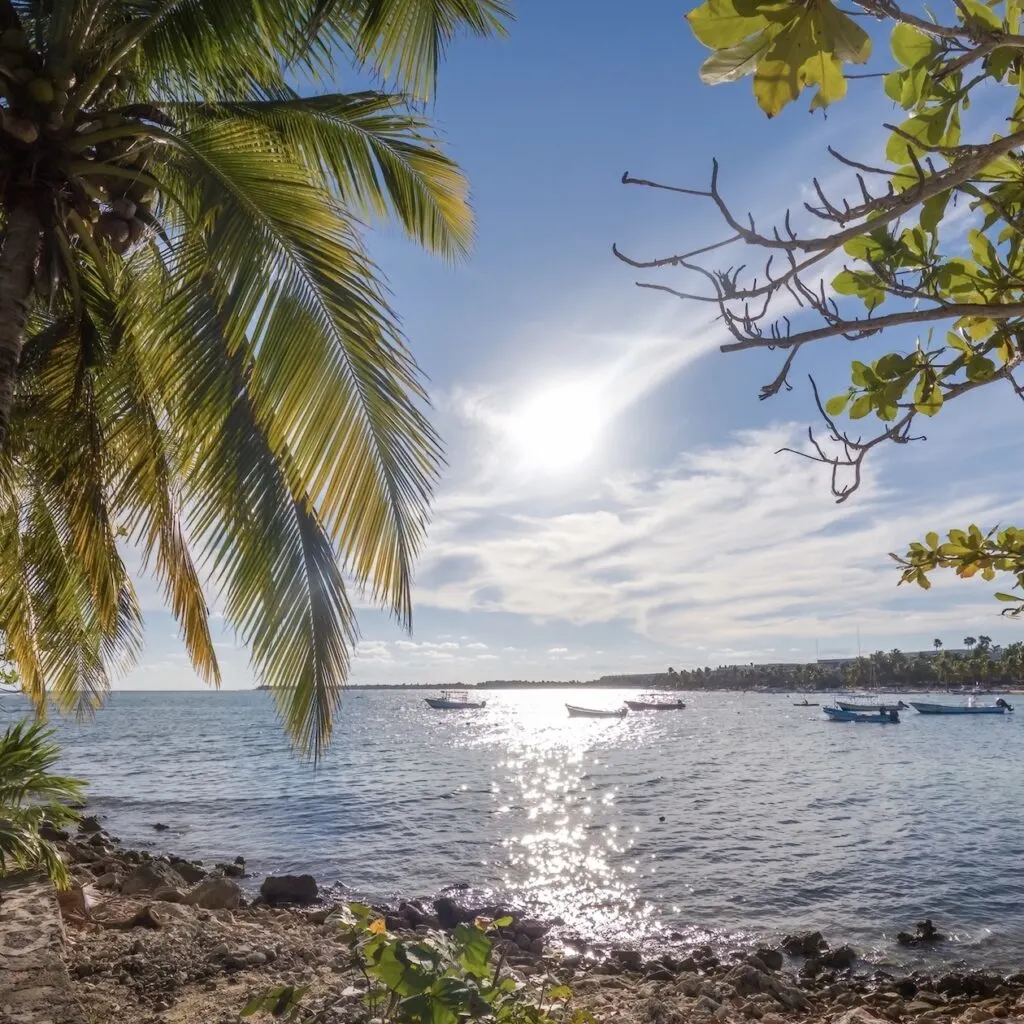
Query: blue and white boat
{"points": [[454, 700], [999, 708], [867, 705], [888, 717]]}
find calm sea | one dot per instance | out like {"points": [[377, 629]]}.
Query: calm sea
{"points": [[737, 819]]}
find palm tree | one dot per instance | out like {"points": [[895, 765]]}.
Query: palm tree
{"points": [[969, 642], [29, 796], [937, 644], [196, 354]]}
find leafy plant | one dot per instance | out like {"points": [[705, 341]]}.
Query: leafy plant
{"points": [[196, 354], [31, 795], [884, 257], [437, 979]]}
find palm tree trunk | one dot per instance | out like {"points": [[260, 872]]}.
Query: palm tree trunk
{"points": [[17, 277]]}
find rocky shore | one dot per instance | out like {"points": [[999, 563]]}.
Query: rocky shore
{"points": [[161, 939]]}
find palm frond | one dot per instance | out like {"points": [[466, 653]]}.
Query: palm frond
{"points": [[375, 154], [345, 405]]}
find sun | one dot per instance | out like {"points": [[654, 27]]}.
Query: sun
{"points": [[557, 428]]}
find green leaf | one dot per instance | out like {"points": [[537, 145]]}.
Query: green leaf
{"points": [[835, 406], [861, 407], [734, 62], [559, 993], [1009, 597], [932, 539], [910, 46], [980, 368], [981, 15], [932, 211], [503, 922], [718, 25]]}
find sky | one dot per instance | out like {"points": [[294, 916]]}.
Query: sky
{"points": [[613, 502]]}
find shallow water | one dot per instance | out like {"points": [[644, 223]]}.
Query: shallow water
{"points": [[741, 816]]}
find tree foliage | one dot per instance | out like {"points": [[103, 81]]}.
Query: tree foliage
{"points": [[197, 354], [886, 257]]}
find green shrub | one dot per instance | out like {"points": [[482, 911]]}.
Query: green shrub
{"points": [[29, 796], [443, 978]]}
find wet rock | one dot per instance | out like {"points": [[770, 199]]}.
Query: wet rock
{"points": [[534, 929], [771, 958], [160, 826], [148, 877], [300, 889], [90, 823], [805, 944], [413, 914], [924, 934], [628, 959], [745, 979], [449, 913], [841, 958], [907, 988], [52, 834], [214, 893], [232, 870]]}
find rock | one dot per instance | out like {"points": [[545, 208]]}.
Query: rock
{"points": [[108, 880], [805, 944], [301, 889], [771, 958], [745, 979], [214, 893], [232, 870], [925, 933], [188, 870], [534, 929], [98, 840], [449, 913], [169, 894], [256, 958], [537, 947], [52, 834], [907, 988], [147, 877], [217, 953], [917, 1007], [628, 959], [841, 958], [859, 1016], [90, 823], [413, 914], [160, 826]]}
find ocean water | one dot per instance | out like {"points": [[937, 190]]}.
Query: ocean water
{"points": [[735, 820]]}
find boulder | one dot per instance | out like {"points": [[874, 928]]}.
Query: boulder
{"points": [[449, 913], [841, 958], [189, 870], [232, 870], [90, 823], [925, 933], [169, 894], [745, 979], [859, 1016], [534, 929], [627, 959], [771, 958], [214, 893], [52, 834], [805, 944], [151, 876], [159, 826], [301, 889]]}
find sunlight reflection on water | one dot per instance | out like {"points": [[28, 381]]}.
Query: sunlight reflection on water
{"points": [[740, 816]]}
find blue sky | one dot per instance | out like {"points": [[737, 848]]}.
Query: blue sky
{"points": [[613, 503]]}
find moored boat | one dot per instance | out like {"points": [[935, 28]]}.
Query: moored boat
{"points": [[888, 717], [655, 705], [804, 704], [863, 708], [578, 712], [999, 708], [454, 700]]}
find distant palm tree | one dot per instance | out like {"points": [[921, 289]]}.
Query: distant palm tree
{"points": [[196, 351], [969, 641], [937, 644]]}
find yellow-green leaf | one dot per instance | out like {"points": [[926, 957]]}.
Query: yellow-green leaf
{"points": [[718, 25], [910, 46], [734, 62]]}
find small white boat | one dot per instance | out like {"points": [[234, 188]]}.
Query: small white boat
{"points": [[868, 706], [999, 708], [577, 712], [454, 700]]}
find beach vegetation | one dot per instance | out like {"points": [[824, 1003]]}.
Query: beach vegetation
{"points": [[916, 257], [439, 978], [33, 799]]}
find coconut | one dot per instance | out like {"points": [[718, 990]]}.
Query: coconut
{"points": [[14, 39], [115, 230], [41, 90], [124, 208], [136, 229], [22, 129]]}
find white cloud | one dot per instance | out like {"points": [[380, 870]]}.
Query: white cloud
{"points": [[730, 544], [475, 647]]}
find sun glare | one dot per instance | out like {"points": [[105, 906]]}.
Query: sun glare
{"points": [[557, 428]]}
